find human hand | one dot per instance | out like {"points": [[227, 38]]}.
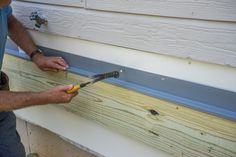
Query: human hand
{"points": [[59, 94], [50, 63]]}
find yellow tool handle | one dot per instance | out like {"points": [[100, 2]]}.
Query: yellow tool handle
{"points": [[74, 89]]}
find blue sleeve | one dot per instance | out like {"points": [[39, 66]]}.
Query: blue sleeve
{"points": [[8, 10]]}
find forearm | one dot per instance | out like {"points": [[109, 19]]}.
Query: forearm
{"points": [[20, 36], [15, 100]]}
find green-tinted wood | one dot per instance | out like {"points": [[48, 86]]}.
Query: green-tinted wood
{"points": [[170, 127]]}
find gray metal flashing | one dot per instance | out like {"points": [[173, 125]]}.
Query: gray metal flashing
{"points": [[208, 99]]}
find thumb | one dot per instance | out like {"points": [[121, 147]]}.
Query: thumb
{"points": [[66, 87]]}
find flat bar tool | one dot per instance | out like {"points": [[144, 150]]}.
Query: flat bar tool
{"points": [[95, 78]]}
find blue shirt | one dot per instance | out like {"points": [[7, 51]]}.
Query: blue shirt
{"points": [[5, 12]]}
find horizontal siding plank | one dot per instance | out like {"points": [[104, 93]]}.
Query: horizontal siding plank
{"points": [[208, 41], [224, 10], [74, 3]]}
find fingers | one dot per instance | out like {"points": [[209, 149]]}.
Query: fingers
{"points": [[52, 66], [72, 95], [63, 62], [60, 63], [51, 63], [58, 94], [50, 69], [66, 87], [57, 66], [56, 63], [69, 97]]}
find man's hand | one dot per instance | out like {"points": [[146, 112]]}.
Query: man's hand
{"points": [[58, 94], [15, 100], [20, 36], [50, 63]]}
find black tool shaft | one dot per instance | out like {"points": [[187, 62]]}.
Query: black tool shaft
{"points": [[100, 77], [114, 74], [85, 84], [106, 75]]}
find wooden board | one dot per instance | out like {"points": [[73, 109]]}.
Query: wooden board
{"points": [[170, 127], [202, 9], [73, 3], [208, 41]]}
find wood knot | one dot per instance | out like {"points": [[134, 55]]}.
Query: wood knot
{"points": [[153, 112]]}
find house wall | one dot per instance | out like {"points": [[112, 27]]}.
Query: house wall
{"points": [[208, 36], [193, 41], [148, 41]]}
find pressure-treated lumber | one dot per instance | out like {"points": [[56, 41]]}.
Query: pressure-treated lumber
{"points": [[202, 9], [170, 127], [185, 38]]}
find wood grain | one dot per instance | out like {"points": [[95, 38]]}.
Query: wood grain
{"points": [[73, 3], [208, 41], [223, 10], [170, 127]]}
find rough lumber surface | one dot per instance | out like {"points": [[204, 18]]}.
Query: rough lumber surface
{"points": [[201, 9], [45, 143], [170, 127], [209, 41]]}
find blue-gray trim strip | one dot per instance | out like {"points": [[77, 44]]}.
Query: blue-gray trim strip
{"points": [[209, 99]]}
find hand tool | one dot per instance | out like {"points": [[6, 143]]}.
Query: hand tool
{"points": [[95, 78]]}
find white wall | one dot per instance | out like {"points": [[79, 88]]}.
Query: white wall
{"points": [[197, 38], [222, 10]]}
